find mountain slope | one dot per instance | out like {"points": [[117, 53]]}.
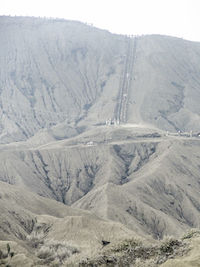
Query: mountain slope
{"points": [[64, 76], [52, 71], [166, 85], [161, 197], [32, 225], [150, 184], [83, 121]]}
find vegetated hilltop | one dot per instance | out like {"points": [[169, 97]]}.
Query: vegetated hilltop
{"points": [[65, 75]]}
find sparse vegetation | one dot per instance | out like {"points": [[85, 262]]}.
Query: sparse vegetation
{"points": [[6, 256], [191, 233], [35, 239], [127, 245], [50, 251], [169, 245], [55, 251], [135, 252]]}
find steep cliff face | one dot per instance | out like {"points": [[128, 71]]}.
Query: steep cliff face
{"points": [[57, 72]]}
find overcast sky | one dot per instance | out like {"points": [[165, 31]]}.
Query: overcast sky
{"points": [[170, 17]]}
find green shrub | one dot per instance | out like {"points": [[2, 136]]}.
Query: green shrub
{"points": [[127, 244], [191, 233], [169, 245]]}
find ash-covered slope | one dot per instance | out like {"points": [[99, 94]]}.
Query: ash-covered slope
{"points": [[53, 71], [62, 80], [165, 91], [41, 231], [63, 76], [20, 208], [160, 190], [144, 180]]}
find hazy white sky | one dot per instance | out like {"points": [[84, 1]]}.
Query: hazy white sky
{"points": [[170, 17]]}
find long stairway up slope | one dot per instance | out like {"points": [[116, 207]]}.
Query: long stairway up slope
{"points": [[126, 79], [63, 76]]}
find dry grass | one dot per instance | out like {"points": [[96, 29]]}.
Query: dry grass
{"points": [[50, 251], [191, 233], [56, 251], [35, 239], [135, 252]]}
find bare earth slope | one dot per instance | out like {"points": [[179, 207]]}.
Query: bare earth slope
{"points": [[34, 223], [53, 71], [165, 90], [83, 121], [64, 76], [147, 181]]}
